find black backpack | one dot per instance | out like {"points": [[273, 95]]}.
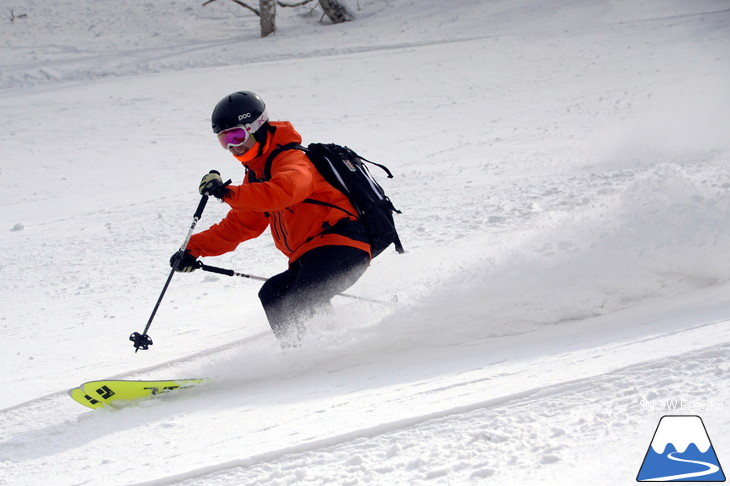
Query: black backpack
{"points": [[345, 170]]}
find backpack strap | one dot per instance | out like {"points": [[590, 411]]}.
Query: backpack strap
{"points": [[322, 203], [277, 151], [387, 171], [296, 146]]}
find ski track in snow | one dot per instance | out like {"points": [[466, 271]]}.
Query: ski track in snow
{"points": [[563, 172], [451, 445]]}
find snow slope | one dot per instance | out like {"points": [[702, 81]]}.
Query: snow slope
{"points": [[563, 173]]}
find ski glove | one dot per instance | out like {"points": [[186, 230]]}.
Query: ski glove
{"points": [[212, 185], [183, 261]]}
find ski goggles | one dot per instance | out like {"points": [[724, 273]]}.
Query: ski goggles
{"points": [[241, 136]]}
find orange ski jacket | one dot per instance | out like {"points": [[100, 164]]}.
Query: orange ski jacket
{"points": [[278, 203]]}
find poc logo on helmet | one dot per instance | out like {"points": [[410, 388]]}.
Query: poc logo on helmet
{"points": [[244, 116]]}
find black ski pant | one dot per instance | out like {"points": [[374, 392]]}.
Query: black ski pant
{"points": [[294, 296]]}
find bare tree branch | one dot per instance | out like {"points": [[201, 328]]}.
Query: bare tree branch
{"points": [[299, 4], [239, 2], [13, 16]]}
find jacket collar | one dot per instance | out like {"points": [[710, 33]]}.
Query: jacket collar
{"points": [[282, 133]]}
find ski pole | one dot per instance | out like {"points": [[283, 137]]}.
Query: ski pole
{"points": [[143, 341], [233, 273], [230, 273]]}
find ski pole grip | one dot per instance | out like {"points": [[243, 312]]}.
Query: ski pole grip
{"points": [[221, 271]]}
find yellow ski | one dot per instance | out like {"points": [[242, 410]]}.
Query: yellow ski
{"points": [[80, 396], [120, 393]]}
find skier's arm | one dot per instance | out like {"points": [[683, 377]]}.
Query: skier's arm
{"points": [[235, 228], [291, 182]]}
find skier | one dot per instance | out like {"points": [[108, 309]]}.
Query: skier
{"points": [[326, 247]]}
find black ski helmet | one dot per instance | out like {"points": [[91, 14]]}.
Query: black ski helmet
{"points": [[239, 108]]}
